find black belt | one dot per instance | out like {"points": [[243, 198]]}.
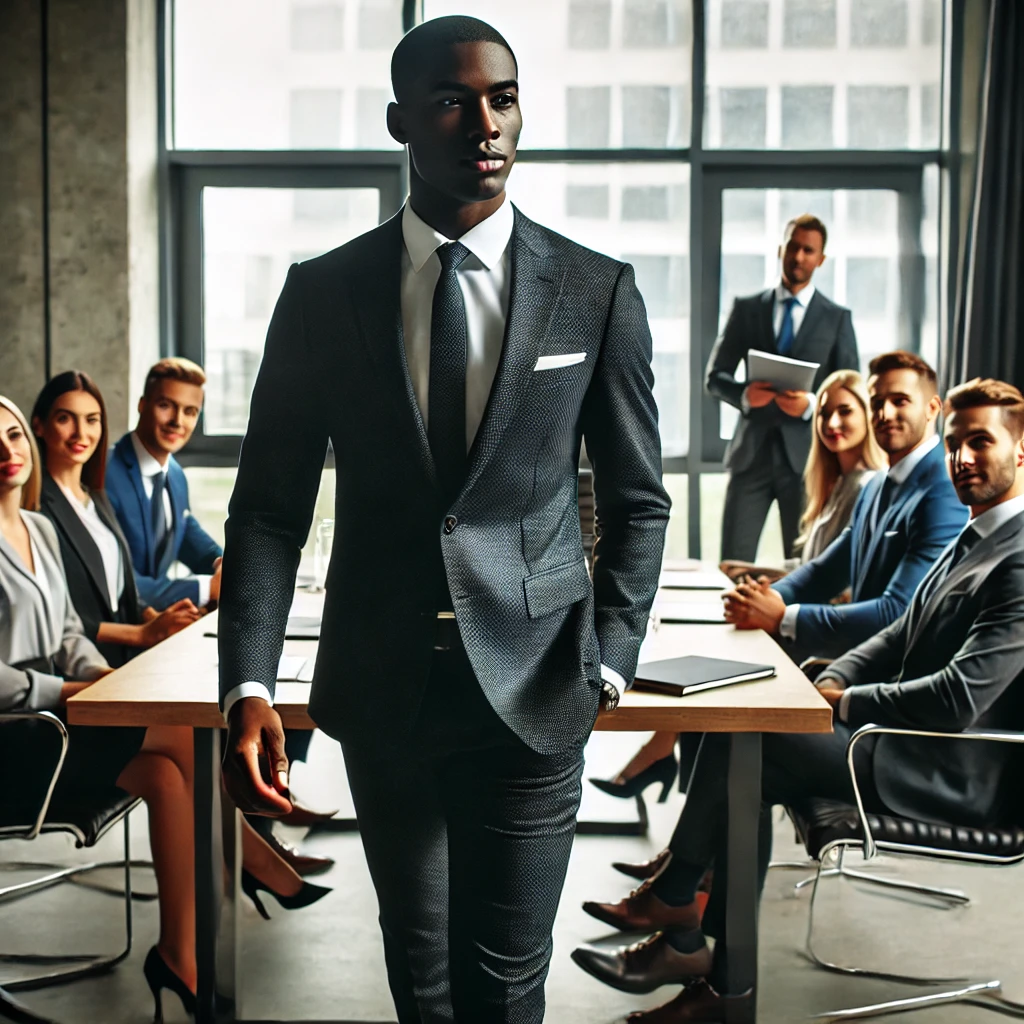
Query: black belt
{"points": [[446, 633]]}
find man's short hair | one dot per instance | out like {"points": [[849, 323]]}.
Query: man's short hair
{"points": [[982, 392], [808, 222], [419, 44], [900, 360], [174, 368]]}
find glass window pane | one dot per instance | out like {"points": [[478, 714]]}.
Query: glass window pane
{"points": [[371, 122], [823, 88], [879, 23], [248, 234], [586, 201], [676, 540], [273, 74], [657, 248], [744, 24], [634, 93]]}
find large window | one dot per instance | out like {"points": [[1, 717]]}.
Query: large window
{"points": [[678, 135]]}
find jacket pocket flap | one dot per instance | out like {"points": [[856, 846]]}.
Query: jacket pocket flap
{"points": [[555, 588]]}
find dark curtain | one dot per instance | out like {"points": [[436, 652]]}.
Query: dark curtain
{"points": [[988, 329]]}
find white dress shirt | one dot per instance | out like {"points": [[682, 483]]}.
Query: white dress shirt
{"points": [[485, 279], [103, 536], [148, 468], [898, 474]]}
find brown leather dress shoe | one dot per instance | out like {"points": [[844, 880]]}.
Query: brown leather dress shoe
{"points": [[645, 966], [303, 864], [698, 1003], [642, 911], [644, 869]]}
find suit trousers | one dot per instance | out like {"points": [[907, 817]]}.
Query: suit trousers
{"points": [[749, 496], [467, 834], [794, 768]]}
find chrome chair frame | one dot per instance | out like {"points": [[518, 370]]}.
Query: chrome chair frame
{"points": [[984, 994], [87, 965]]}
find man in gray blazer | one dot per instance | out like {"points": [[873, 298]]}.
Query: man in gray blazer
{"points": [[766, 456], [953, 661]]}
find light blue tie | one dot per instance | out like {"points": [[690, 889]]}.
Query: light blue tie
{"points": [[784, 342]]}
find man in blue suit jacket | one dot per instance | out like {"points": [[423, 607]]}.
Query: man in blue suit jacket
{"points": [[143, 462], [902, 521]]}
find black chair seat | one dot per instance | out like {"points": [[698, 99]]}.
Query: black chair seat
{"points": [[86, 815], [821, 822]]}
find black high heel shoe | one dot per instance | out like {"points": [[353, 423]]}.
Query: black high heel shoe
{"points": [[160, 976], [663, 771], [307, 895]]}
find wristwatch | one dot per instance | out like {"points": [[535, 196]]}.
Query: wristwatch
{"points": [[609, 696]]}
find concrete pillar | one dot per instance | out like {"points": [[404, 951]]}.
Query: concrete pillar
{"points": [[101, 152]]}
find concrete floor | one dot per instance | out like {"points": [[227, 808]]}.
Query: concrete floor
{"points": [[324, 963]]}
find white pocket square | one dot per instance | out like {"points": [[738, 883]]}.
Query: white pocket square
{"points": [[553, 362], [892, 533]]}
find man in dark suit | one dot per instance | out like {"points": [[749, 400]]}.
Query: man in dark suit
{"points": [[142, 465], [953, 661], [767, 454], [901, 522], [464, 650]]}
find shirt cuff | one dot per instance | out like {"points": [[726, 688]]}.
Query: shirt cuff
{"points": [[843, 709], [204, 589], [809, 411], [744, 402], [609, 675], [246, 690], [787, 627], [43, 691]]}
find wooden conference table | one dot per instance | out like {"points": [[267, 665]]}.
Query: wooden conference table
{"points": [[176, 684]]}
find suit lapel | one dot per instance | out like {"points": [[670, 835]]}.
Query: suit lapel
{"points": [[109, 517], [535, 286], [766, 317], [376, 297], [81, 540], [126, 452], [865, 552]]}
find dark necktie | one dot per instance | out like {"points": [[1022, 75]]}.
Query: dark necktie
{"points": [[446, 399], [884, 499], [964, 543], [161, 535], [784, 342]]}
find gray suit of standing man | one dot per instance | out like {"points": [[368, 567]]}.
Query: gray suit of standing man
{"points": [[767, 454], [456, 357]]}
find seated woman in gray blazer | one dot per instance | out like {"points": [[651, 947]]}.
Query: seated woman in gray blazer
{"points": [[44, 659], [843, 458]]}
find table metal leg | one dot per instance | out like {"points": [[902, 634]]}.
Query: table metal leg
{"points": [[741, 897], [217, 860]]}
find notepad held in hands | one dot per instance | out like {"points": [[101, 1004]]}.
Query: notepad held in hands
{"points": [[677, 677]]}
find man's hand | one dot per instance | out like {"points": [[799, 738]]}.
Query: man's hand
{"points": [[215, 580], [758, 394], [255, 766], [831, 694], [755, 606], [794, 403]]}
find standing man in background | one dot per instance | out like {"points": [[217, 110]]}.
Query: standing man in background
{"points": [[767, 454], [456, 357]]}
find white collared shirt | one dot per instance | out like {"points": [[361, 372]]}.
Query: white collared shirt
{"points": [[148, 468], [485, 279], [803, 300]]}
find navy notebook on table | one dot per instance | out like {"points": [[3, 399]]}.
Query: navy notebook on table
{"points": [[677, 677]]}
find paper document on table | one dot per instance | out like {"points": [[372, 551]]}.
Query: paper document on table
{"points": [[783, 373], [681, 611], [294, 668]]}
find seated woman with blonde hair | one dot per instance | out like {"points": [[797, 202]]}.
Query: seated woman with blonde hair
{"points": [[843, 457], [45, 658]]}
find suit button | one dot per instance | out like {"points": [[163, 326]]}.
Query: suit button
{"points": [[450, 522]]}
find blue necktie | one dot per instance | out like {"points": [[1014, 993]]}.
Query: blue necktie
{"points": [[784, 342], [161, 535], [446, 400]]}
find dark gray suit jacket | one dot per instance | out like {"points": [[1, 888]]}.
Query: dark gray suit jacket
{"points": [[535, 629], [825, 336], [953, 661]]}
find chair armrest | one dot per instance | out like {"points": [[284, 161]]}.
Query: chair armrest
{"points": [[985, 735], [52, 720], [813, 667]]}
